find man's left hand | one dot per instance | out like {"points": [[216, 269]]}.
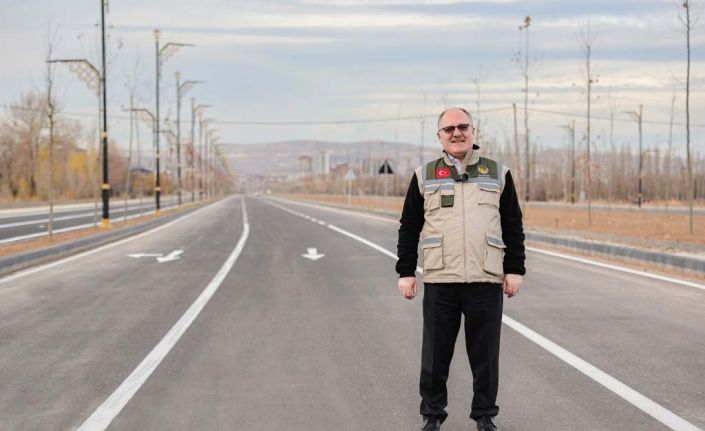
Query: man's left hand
{"points": [[512, 284]]}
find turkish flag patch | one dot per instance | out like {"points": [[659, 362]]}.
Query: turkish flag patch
{"points": [[442, 173]]}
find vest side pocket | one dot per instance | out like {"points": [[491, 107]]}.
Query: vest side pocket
{"points": [[489, 195], [433, 252], [432, 197], [494, 255]]}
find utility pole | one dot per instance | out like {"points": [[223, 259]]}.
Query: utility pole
{"points": [[525, 26]]}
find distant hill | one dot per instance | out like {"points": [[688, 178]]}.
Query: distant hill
{"points": [[277, 158]]}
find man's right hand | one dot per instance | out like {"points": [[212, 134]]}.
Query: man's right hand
{"points": [[407, 287]]}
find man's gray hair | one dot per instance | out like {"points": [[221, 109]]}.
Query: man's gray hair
{"points": [[440, 117]]}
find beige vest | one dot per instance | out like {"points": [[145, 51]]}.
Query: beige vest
{"points": [[462, 233]]}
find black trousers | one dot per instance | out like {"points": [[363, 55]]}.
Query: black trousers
{"points": [[443, 304]]}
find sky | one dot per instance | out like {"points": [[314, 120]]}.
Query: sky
{"points": [[317, 61]]}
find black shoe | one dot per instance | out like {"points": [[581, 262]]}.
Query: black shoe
{"points": [[431, 423], [486, 423]]}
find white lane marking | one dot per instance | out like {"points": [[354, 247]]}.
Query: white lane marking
{"points": [[643, 403], [138, 255], [174, 255], [62, 218], [534, 249], [101, 418], [104, 247], [338, 210], [68, 229], [633, 397], [313, 254], [619, 268]]}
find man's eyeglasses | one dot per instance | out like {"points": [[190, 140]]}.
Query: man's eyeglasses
{"points": [[462, 128]]}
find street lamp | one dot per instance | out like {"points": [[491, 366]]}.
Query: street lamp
{"points": [[171, 140], [203, 125], [195, 109], [181, 89], [210, 142], [571, 129], [89, 74], [163, 54], [147, 117], [637, 116]]}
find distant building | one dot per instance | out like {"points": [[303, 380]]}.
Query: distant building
{"points": [[321, 163]]}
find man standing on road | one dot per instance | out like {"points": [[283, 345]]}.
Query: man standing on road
{"points": [[466, 209]]}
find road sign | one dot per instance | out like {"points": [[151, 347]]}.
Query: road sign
{"points": [[350, 176], [385, 168]]}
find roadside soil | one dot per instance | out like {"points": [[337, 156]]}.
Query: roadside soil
{"points": [[640, 227]]}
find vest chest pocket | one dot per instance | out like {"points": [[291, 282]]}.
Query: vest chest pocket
{"points": [[489, 195], [447, 195], [433, 252], [432, 197], [494, 255]]}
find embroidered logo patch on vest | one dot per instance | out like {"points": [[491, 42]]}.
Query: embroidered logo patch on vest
{"points": [[484, 170], [442, 172]]}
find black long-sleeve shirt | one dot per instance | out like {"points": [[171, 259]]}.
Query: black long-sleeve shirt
{"points": [[412, 221]]}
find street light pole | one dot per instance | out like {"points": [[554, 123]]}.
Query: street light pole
{"points": [[157, 187], [181, 90], [151, 119], [104, 134], [162, 54]]}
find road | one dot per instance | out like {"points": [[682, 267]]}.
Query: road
{"points": [[241, 332], [22, 224]]}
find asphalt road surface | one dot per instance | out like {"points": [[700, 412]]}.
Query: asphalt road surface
{"points": [[236, 330], [22, 224]]}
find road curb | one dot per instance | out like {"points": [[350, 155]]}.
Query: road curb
{"points": [[670, 259], [662, 258], [14, 263]]}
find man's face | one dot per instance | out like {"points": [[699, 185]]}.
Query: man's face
{"points": [[455, 142]]}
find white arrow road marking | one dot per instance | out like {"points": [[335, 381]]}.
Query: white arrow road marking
{"points": [[312, 253], [138, 255], [174, 255]]}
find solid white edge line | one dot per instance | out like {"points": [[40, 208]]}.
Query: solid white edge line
{"points": [[101, 248], [633, 397], [643, 403], [103, 415], [619, 268], [535, 249]]}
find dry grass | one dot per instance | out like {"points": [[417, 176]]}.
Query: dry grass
{"points": [[618, 223]]}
